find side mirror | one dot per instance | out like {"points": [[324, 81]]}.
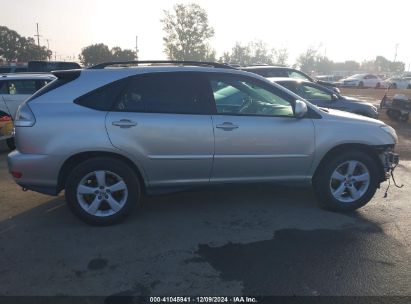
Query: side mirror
{"points": [[334, 97], [300, 109]]}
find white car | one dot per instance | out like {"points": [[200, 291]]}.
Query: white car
{"points": [[363, 81], [14, 89], [399, 82]]}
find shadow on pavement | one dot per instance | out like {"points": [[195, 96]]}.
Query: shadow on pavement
{"points": [[255, 239]]}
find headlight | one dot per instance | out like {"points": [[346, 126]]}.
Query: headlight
{"points": [[390, 131]]}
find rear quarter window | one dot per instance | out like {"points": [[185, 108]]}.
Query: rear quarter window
{"points": [[103, 98]]}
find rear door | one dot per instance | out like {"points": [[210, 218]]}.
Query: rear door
{"points": [[163, 120], [257, 136]]}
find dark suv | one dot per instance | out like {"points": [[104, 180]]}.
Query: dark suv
{"points": [[269, 71]]}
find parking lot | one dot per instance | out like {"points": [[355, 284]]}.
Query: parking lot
{"points": [[220, 240]]}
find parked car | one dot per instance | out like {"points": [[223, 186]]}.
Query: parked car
{"points": [[399, 82], [323, 97], [107, 136], [329, 78], [12, 69], [14, 89], [281, 71], [363, 81], [48, 66]]}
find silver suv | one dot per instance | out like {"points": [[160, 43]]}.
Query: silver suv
{"points": [[108, 135]]}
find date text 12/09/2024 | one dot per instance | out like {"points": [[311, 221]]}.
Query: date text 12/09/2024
{"points": [[203, 300]]}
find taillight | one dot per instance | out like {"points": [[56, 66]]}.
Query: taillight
{"points": [[24, 116], [16, 174]]}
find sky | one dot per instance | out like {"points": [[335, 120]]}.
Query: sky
{"points": [[342, 30]]}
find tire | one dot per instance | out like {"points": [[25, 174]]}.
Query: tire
{"points": [[378, 85], [325, 184], [404, 117], [393, 114], [393, 86], [11, 144], [361, 84], [111, 172]]}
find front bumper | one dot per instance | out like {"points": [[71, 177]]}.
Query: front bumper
{"points": [[38, 172]]}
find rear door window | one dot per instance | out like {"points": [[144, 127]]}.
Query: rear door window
{"points": [[178, 93]]}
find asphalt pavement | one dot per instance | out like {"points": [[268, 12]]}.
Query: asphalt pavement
{"points": [[219, 240]]}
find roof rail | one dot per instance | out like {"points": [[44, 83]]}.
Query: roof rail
{"points": [[175, 62]]}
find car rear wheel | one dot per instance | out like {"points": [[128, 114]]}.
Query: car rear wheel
{"points": [[102, 191], [347, 181], [378, 85], [361, 84]]}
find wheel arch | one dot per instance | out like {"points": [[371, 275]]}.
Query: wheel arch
{"points": [[372, 151], [71, 162]]}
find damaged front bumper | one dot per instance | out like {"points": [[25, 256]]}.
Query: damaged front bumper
{"points": [[390, 161]]}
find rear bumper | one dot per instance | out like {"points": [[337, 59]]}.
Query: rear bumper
{"points": [[38, 172]]}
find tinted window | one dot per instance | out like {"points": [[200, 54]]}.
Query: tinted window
{"points": [[276, 73], [184, 93], [3, 87], [269, 72], [101, 99], [240, 96]]}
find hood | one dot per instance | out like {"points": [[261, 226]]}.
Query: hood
{"points": [[352, 117], [351, 99]]}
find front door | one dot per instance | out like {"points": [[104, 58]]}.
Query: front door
{"points": [[257, 136]]}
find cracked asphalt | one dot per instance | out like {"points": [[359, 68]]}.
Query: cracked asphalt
{"points": [[220, 240]]}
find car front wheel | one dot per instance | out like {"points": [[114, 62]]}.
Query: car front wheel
{"points": [[347, 181], [102, 191]]}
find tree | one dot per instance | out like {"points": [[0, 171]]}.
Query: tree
{"points": [[15, 47], [240, 54], [307, 61], [187, 33], [281, 56], [122, 55], [255, 52], [98, 53], [29, 50], [94, 54]]}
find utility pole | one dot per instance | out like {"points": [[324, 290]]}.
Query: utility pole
{"points": [[396, 52], [38, 35], [136, 47]]}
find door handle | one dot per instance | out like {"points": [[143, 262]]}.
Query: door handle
{"points": [[227, 126], [124, 123]]}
